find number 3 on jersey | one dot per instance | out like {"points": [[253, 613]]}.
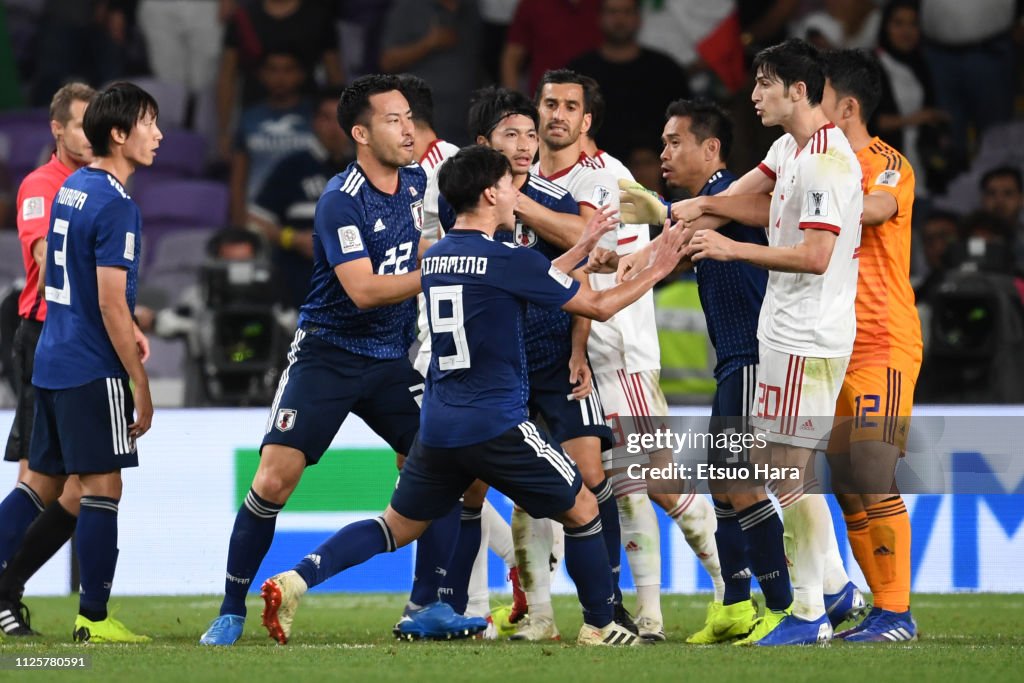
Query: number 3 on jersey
{"points": [[62, 295], [446, 317]]}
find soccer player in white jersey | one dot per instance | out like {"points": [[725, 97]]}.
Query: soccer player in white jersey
{"points": [[633, 389], [807, 324]]}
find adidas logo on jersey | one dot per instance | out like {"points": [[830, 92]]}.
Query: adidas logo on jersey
{"points": [[632, 547], [743, 574], [314, 558], [379, 225], [807, 426]]}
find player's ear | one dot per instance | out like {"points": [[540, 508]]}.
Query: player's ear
{"points": [[481, 140], [711, 146], [118, 135], [798, 91], [56, 128], [360, 134], [587, 118]]}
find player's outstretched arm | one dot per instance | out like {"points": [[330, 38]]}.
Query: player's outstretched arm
{"points": [[111, 283], [602, 305], [748, 209], [370, 290], [579, 368], [601, 222], [812, 255], [560, 229]]}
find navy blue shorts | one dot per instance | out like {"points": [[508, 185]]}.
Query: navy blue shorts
{"points": [[523, 463], [565, 417], [730, 409], [323, 384], [83, 430]]}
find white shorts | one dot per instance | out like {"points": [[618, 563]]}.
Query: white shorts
{"points": [[796, 397], [633, 403], [422, 361]]}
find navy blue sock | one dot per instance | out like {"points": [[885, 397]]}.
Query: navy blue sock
{"points": [[593, 579], [732, 553], [455, 587], [250, 540], [763, 529], [97, 554], [352, 545], [433, 553], [17, 512], [608, 510]]}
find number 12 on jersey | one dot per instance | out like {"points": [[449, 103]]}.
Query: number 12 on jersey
{"points": [[453, 323]]}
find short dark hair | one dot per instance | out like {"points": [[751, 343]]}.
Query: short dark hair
{"points": [[60, 105], [489, 106], [856, 74], [233, 235], [464, 177], [354, 102], [707, 120], [1003, 172], [563, 76], [421, 99], [592, 92], [793, 61], [119, 106]]}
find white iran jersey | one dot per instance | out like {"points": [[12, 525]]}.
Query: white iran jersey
{"points": [[629, 339], [435, 155], [816, 188]]}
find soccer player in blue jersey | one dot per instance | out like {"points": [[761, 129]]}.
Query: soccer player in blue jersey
{"points": [[474, 423], [350, 352], [561, 391], [88, 417]]}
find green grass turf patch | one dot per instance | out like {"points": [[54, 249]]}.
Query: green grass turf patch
{"points": [[976, 637]]}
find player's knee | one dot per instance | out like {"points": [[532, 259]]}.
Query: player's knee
{"points": [[849, 503], [71, 497], [402, 529], [278, 474], [582, 512], [106, 484], [46, 486]]}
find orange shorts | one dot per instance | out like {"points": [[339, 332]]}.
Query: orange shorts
{"points": [[876, 403]]}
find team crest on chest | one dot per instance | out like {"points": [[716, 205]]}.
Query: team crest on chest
{"points": [[285, 419], [525, 237], [417, 214]]}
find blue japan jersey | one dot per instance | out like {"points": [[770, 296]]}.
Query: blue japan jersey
{"points": [[356, 220], [548, 330], [93, 223], [731, 293], [476, 291]]}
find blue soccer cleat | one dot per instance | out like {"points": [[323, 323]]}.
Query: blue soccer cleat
{"points": [[865, 623], [437, 621], [224, 630], [796, 631], [845, 605], [885, 627]]}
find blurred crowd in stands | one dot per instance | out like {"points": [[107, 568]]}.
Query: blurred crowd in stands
{"points": [[247, 91]]}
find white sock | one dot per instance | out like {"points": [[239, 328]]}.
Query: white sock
{"points": [[836, 577], [696, 517], [807, 526], [499, 535], [479, 597], [533, 541], [642, 540]]}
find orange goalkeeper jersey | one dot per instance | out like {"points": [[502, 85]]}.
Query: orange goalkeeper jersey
{"points": [[888, 327]]}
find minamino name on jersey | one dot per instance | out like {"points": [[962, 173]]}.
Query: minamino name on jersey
{"points": [[457, 265]]}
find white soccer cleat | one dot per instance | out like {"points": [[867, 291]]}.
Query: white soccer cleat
{"points": [[650, 630], [536, 628], [611, 635], [281, 595]]}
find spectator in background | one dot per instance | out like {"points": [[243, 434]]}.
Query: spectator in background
{"points": [[283, 209], [764, 22], [970, 50], [637, 83], [939, 235], [184, 39], [547, 34], [303, 27], [906, 116], [845, 24], [437, 40], [495, 17], [270, 130], [1002, 195]]}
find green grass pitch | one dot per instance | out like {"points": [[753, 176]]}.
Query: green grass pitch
{"points": [[966, 637]]}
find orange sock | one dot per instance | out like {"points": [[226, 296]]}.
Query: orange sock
{"points": [[858, 532], [889, 526]]}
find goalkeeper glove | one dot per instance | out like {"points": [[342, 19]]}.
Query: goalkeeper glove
{"points": [[637, 204]]}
